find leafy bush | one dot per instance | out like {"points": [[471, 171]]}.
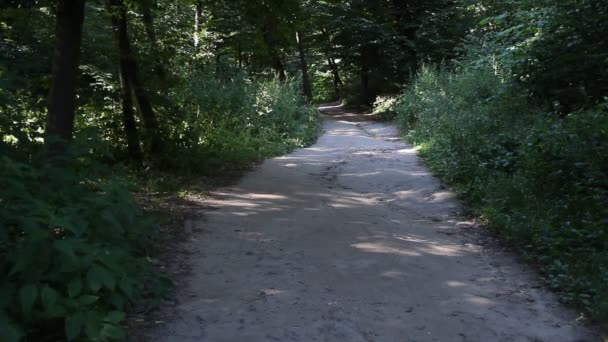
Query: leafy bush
{"points": [[539, 179], [555, 48], [386, 107], [72, 251], [228, 123], [323, 89]]}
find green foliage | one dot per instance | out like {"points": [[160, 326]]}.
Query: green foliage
{"points": [[538, 179], [229, 124], [323, 87], [377, 44], [74, 247], [557, 50], [386, 107], [73, 252], [73, 244]]}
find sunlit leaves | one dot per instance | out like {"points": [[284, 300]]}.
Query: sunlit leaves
{"points": [[537, 179]]}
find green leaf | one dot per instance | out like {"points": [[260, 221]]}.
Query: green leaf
{"points": [[9, 332], [115, 316], [118, 300], [126, 286], [87, 300], [65, 247], [28, 295], [73, 326], [113, 331], [75, 287], [99, 276], [110, 218], [92, 325], [49, 298]]}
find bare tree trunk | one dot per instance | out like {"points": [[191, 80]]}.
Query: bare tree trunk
{"points": [[129, 71], [198, 22], [338, 84], [275, 56], [218, 62], [128, 115], [239, 56], [404, 17], [128, 118], [365, 80], [305, 80], [148, 21], [280, 70], [62, 97]]}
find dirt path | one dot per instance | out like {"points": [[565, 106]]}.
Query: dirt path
{"points": [[354, 240]]}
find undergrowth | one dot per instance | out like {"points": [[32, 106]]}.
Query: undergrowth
{"points": [[76, 250], [232, 123], [539, 179]]}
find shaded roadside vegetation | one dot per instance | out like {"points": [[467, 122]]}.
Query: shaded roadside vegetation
{"points": [[134, 104], [519, 125], [103, 100]]}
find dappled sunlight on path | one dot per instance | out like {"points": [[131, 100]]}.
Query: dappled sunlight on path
{"points": [[353, 239]]}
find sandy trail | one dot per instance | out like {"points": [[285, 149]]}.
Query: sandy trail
{"points": [[351, 240]]}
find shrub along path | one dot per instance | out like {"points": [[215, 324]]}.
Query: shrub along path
{"points": [[352, 239]]}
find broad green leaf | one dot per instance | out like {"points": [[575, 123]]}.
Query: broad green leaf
{"points": [[113, 331], [75, 287], [92, 324], [126, 286], [49, 298], [115, 316], [73, 326], [8, 331], [94, 279], [28, 295], [87, 300], [118, 300], [99, 276], [65, 247]]}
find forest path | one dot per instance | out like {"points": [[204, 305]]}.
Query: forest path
{"points": [[349, 240]]}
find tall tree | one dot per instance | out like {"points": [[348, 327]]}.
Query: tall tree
{"points": [[307, 89], [62, 101], [148, 20], [128, 116], [198, 21], [130, 74]]}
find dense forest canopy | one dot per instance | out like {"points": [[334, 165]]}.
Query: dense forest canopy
{"points": [[97, 95]]}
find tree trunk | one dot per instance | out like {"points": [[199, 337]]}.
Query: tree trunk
{"points": [[128, 115], [128, 118], [404, 16], [239, 56], [218, 62], [144, 107], [267, 33], [305, 80], [148, 21], [413, 63], [198, 22], [338, 84], [365, 81], [62, 97], [412, 60], [129, 71], [279, 68]]}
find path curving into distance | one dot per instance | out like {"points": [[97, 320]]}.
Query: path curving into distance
{"points": [[354, 240]]}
